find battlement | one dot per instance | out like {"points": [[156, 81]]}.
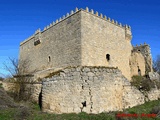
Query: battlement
{"points": [[82, 37], [138, 48], [72, 12]]}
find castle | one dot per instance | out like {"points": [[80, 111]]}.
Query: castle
{"points": [[85, 38], [93, 42]]}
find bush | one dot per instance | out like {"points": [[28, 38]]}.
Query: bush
{"points": [[142, 83], [155, 110]]}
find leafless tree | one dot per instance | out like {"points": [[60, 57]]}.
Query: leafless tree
{"points": [[17, 67], [156, 64], [18, 70]]}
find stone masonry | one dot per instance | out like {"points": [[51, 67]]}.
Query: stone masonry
{"points": [[88, 89], [83, 38], [90, 60]]}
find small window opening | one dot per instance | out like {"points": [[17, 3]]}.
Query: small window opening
{"points": [[49, 59], [37, 42], [108, 57], [139, 71], [139, 50], [84, 104]]}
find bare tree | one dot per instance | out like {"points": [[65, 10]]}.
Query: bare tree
{"points": [[156, 64], [17, 67], [18, 70]]}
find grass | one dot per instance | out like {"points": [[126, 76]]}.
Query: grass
{"points": [[33, 113]]}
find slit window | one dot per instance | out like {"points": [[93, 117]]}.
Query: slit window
{"points": [[108, 57], [49, 59]]}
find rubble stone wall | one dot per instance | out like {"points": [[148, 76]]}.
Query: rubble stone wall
{"points": [[88, 89]]}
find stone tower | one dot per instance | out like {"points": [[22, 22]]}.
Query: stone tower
{"points": [[80, 38]]}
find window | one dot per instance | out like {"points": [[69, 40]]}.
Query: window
{"points": [[108, 57], [139, 72], [49, 59], [36, 42]]}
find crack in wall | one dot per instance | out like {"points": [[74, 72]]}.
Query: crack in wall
{"points": [[90, 93]]}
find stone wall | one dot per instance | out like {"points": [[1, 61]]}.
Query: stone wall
{"points": [[88, 89], [58, 46], [32, 90], [101, 37], [145, 51], [137, 64], [79, 38]]}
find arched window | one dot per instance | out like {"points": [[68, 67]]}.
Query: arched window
{"points": [[139, 72], [49, 59], [108, 57]]}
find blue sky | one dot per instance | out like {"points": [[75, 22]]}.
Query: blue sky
{"points": [[20, 18]]}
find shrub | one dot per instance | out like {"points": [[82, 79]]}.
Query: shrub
{"points": [[142, 83], [155, 110]]}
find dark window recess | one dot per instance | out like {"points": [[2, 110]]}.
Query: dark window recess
{"points": [[139, 72], [49, 59], [108, 57], [36, 42], [139, 50], [84, 104]]}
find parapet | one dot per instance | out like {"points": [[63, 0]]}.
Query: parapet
{"points": [[104, 17], [95, 13], [144, 45]]}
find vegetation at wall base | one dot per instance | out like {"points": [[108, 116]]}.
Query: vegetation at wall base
{"points": [[144, 84], [29, 111]]}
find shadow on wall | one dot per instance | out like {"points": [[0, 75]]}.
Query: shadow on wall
{"points": [[40, 100]]}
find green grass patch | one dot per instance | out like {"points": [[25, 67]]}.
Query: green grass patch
{"points": [[34, 113], [7, 114]]}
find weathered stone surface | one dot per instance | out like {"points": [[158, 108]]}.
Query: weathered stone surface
{"points": [[90, 93], [154, 76]]}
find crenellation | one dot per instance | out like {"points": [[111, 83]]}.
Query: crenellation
{"points": [[71, 12], [45, 28], [92, 11], [87, 9], [63, 17], [101, 15], [112, 21], [105, 17], [96, 13], [129, 27], [120, 24], [109, 19], [76, 10], [116, 22], [57, 21], [67, 14]]}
